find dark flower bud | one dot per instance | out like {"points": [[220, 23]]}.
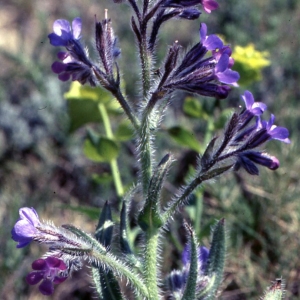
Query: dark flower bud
{"points": [[190, 14]]}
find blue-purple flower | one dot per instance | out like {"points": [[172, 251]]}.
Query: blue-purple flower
{"points": [[51, 270], [63, 32], [251, 110], [205, 76], [25, 228], [223, 73], [248, 159], [210, 42], [74, 62], [274, 132]]}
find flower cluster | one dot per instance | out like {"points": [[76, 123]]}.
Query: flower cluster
{"points": [[196, 73], [243, 138], [208, 76], [50, 270]]}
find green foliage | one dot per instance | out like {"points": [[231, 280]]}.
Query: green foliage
{"points": [[184, 137], [83, 104], [193, 108], [99, 148]]}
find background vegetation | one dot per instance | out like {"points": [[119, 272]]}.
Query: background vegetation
{"points": [[42, 164]]}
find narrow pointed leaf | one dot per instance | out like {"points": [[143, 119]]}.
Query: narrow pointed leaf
{"points": [[109, 285], [125, 247], [150, 217], [104, 230], [216, 258], [190, 288], [206, 157], [215, 172]]}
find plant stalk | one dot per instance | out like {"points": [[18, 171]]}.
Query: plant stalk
{"points": [[113, 162]]}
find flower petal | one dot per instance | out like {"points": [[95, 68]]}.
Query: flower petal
{"points": [[24, 229], [39, 264], [61, 25], [34, 277], [76, 26], [228, 77], [29, 214], [46, 287]]}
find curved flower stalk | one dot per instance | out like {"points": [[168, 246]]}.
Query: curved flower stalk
{"points": [[239, 148], [69, 246]]}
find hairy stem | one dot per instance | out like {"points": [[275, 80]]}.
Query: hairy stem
{"points": [[115, 90], [123, 270], [150, 265], [123, 102]]}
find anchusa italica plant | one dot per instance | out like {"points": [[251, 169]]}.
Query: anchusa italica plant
{"points": [[206, 69]]}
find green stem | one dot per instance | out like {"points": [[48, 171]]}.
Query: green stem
{"points": [[119, 96], [113, 162], [199, 210], [180, 200], [123, 102], [146, 67], [150, 264]]}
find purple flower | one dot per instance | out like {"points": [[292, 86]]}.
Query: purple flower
{"points": [[210, 42], [274, 132], [50, 270], [63, 33], [223, 72], [256, 108], [252, 109], [74, 63], [209, 5], [25, 228], [205, 76], [248, 159]]}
